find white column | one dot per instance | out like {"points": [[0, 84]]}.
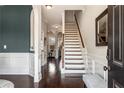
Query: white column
{"points": [[37, 33]]}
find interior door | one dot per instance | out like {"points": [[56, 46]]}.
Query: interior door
{"points": [[115, 52]]}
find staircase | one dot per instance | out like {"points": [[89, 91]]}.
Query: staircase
{"points": [[74, 51]]}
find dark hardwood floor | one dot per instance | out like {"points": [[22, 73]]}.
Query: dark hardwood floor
{"points": [[20, 81], [52, 77]]}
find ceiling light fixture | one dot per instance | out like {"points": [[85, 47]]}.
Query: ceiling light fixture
{"points": [[56, 26], [48, 6]]}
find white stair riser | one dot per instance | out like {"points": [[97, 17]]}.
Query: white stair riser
{"points": [[74, 61], [72, 45], [75, 71], [75, 66], [71, 37], [72, 49], [71, 30], [72, 34], [73, 52], [73, 56], [71, 42]]}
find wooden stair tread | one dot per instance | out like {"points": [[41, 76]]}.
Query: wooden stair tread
{"points": [[75, 68], [73, 47], [74, 63], [73, 54], [71, 41], [72, 44], [71, 33], [71, 36], [73, 51]]}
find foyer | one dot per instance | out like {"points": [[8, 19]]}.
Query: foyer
{"points": [[61, 46]]}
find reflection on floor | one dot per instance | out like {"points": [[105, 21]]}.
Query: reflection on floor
{"points": [[20, 81], [52, 77]]}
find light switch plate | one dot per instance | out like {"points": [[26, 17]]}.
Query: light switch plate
{"points": [[5, 47]]}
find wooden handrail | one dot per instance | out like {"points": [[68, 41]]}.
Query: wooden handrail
{"points": [[79, 31]]}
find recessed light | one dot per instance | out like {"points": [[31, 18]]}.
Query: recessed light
{"points": [[56, 26], [48, 6]]}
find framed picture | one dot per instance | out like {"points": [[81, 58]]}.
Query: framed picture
{"points": [[102, 29]]}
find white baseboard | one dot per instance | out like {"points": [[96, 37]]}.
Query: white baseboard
{"points": [[17, 63]]}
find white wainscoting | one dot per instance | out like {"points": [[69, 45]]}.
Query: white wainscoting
{"points": [[95, 66], [99, 62], [17, 63]]}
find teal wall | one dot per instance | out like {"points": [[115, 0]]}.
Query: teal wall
{"points": [[15, 28], [0, 29]]}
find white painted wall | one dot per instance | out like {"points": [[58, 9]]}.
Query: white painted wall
{"points": [[86, 21]]}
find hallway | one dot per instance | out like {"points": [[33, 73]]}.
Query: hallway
{"points": [[52, 77], [29, 54]]}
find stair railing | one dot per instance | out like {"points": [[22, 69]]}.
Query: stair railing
{"points": [[62, 51], [84, 50], [63, 32], [82, 42]]}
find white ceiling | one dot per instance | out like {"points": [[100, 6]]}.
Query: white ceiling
{"points": [[54, 15]]}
